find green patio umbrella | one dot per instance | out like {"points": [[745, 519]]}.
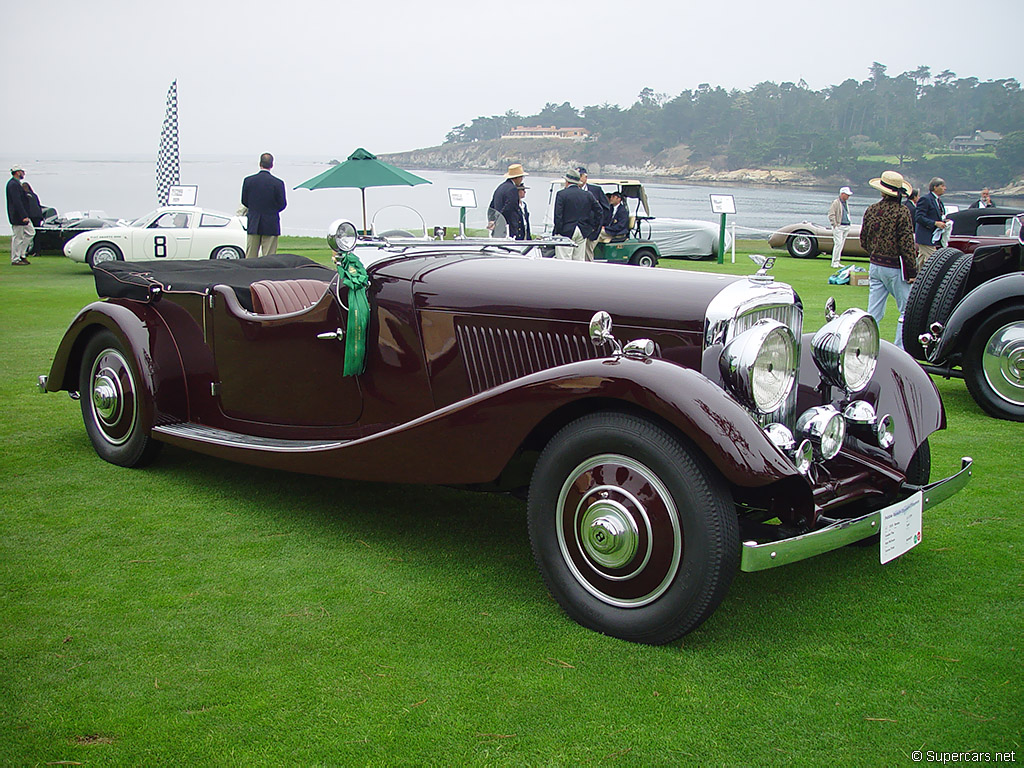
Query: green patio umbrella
{"points": [[362, 170]]}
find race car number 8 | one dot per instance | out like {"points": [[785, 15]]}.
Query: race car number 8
{"points": [[159, 246]]}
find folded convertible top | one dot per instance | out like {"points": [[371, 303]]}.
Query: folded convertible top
{"points": [[135, 280]]}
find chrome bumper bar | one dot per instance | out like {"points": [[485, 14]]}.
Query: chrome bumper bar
{"points": [[759, 557]]}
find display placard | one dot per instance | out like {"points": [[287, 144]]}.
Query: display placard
{"points": [[462, 198], [183, 194], [723, 204]]}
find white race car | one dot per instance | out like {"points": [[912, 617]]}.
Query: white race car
{"points": [[175, 232]]}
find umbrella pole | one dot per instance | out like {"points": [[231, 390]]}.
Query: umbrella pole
{"points": [[363, 190]]}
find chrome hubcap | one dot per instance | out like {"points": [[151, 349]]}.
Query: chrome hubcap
{"points": [[103, 254], [608, 534], [112, 397], [1003, 363], [106, 397], [802, 244], [619, 531]]}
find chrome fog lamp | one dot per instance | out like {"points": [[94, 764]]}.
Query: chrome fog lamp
{"points": [[783, 439], [759, 365], [862, 421], [824, 427], [342, 236], [845, 350]]}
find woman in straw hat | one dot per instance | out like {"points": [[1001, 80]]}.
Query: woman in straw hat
{"points": [[888, 236]]}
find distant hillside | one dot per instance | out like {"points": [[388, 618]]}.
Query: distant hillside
{"points": [[602, 159]]}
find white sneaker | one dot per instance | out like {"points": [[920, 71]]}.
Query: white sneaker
{"points": [[836, 265]]}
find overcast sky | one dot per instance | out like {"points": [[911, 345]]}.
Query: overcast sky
{"points": [[320, 77]]}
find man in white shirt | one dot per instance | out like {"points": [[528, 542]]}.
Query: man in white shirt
{"points": [[839, 219]]}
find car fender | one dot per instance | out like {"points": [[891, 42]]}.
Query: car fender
{"points": [[473, 440], [146, 338], [978, 302]]}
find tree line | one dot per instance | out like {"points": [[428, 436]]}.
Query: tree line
{"points": [[910, 117]]}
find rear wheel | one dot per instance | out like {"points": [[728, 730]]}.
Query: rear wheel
{"points": [[227, 252], [993, 364], [112, 404], [103, 252], [634, 532], [644, 257], [802, 245]]}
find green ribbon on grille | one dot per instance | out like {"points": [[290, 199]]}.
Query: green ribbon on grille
{"points": [[353, 275]]}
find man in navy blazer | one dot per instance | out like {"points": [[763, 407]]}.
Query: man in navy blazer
{"points": [[599, 221], [617, 228], [575, 212], [929, 221], [263, 196]]}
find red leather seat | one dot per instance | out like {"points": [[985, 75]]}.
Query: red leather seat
{"points": [[280, 297]]}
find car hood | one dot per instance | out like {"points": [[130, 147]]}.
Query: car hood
{"points": [[553, 289]]}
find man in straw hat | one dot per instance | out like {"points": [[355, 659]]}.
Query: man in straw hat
{"points": [[887, 234], [575, 210], [503, 217], [17, 214]]}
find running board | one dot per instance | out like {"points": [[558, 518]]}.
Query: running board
{"points": [[199, 433]]}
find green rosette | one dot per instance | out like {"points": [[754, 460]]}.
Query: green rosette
{"points": [[353, 276]]}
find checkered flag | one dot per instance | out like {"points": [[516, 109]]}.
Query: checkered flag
{"points": [[167, 160]]}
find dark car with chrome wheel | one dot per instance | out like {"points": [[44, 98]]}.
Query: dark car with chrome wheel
{"points": [[964, 318], [668, 428]]}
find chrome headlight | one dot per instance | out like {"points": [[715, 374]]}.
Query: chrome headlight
{"points": [[823, 425], [342, 236], [862, 422], [759, 365], [846, 350]]}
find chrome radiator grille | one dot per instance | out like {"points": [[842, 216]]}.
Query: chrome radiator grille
{"points": [[493, 356]]}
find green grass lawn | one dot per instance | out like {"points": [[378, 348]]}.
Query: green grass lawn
{"points": [[205, 613]]}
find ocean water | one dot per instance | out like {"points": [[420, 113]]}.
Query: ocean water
{"points": [[125, 187]]}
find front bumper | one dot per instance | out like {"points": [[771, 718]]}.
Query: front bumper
{"points": [[759, 557]]}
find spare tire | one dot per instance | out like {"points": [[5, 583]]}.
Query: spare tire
{"points": [[917, 314]]}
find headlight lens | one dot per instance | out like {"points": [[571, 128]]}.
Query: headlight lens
{"points": [[342, 236], [825, 428], [759, 365], [846, 350]]}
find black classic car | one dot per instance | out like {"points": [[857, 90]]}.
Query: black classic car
{"points": [[965, 318], [55, 230], [704, 433]]}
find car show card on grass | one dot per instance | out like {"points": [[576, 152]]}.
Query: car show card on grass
{"points": [[901, 527]]}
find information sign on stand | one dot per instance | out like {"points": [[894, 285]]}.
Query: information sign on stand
{"points": [[722, 204], [183, 194], [462, 199]]}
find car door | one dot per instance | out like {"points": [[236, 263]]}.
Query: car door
{"points": [[167, 237], [284, 369]]}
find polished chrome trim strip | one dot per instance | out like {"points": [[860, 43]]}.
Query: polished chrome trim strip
{"points": [[200, 433], [759, 557]]}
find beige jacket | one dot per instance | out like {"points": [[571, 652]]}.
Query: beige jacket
{"points": [[835, 212]]}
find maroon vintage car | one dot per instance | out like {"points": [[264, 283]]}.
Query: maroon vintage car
{"points": [[705, 434]]}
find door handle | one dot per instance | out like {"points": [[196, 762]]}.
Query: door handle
{"points": [[335, 335]]}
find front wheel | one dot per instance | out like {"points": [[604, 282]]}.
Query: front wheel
{"points": [[644, 258], [634, 532], [802, 245], [227, 252], [113, 404], [103, 252], [994, 364]]}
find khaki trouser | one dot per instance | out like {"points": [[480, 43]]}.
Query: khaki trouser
{"points": [[591, 246], [255, 243], [924, 252], [577, 252], [21, 239]]}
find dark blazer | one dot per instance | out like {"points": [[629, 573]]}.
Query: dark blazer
{"points": [[17, 212], [977, 203], [263, 195], [606, 210], [929, 210], [524, 221], [618, 224], [35, 210], [505, 201], [575, 208]]}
